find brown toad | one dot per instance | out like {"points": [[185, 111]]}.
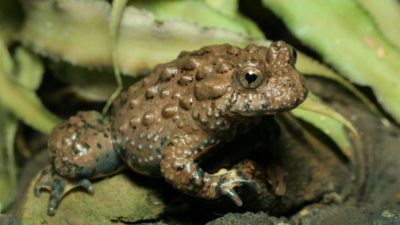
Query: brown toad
{"points": [[163, 124]]}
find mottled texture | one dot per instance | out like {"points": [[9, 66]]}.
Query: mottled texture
{"points": [[118, 200], [163, 124], [249, 219]]}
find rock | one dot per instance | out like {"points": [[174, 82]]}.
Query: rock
{"points": [[6, 219], [248, 219], [117, 200], [347, 215]]}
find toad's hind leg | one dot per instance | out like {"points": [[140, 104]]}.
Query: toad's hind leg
{"points": [[80, 149], [179, 168]]}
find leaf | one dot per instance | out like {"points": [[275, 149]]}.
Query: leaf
{"points": [[22, 102], [226, 7], [29, 69], [205, 15], [345, 36], [8, 167], [117, 200], [81, 36], [386, 14], [89, 85], [311, 67], [6, 62], [330, 122]]}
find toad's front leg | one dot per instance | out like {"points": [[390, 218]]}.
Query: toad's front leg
{"points": [[179, 168]]}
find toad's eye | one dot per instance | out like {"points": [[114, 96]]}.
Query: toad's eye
{"points": [[250, 77]]}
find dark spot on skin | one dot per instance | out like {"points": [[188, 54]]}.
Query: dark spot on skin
{"points": [[159, 151], [100, 121], [86, 145], [164, 141], [122, 151], [99, 145], [247, 106], [180, 167], [87, 126], [95, 133], [105, 135]]}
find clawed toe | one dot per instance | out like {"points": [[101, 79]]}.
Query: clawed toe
{"points": [[233, 196], [86, 184], [44, 182], [232, 180], [58, 187]]}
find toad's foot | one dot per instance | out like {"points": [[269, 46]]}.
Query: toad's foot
{"points": [[179, 168], [58, 187], [230, 180]]}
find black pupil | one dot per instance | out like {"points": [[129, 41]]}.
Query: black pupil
{"points": [[250, 77]]}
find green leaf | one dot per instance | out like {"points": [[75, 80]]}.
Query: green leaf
{"points": [[226, 7], [386, 14], [205, 15], [6, 62], [8, 167], [89, 85], [82, 36], [320, 115], [29, 69], [345, 36], [21, 101], [311, 67]]}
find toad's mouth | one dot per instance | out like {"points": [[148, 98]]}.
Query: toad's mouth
{"points": [[251, 107], [264, 104]]}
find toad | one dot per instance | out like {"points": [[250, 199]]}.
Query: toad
{"points": [[161, 125]]}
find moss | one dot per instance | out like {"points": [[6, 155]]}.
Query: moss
{"points": [[116, 200]]}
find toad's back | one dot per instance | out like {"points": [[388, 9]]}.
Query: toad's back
{"points": [[164, 104]]}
